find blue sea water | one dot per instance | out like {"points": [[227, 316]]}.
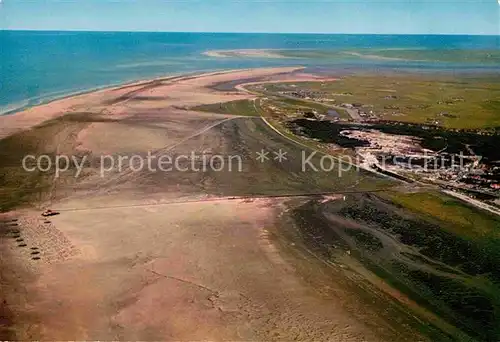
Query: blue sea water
{"points": [[37, 66]]}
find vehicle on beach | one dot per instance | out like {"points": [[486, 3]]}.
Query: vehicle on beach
{"points": [[49, 212]]}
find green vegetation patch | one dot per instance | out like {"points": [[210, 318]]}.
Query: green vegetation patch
{"points": [[461, 219], [238, 107]]}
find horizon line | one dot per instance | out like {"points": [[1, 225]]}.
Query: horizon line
{"points": [[229, 32]]}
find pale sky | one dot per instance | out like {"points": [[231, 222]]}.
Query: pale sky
{"points": [[327, 16]]}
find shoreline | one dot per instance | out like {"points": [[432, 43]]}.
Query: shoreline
{"points": [[26, 104], [32, 116]]}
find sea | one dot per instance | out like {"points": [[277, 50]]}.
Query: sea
{"points": [[40, 66]]}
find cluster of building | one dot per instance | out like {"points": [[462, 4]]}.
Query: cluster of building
{"points": [[318, 96], [364, 111], [403, 155]]}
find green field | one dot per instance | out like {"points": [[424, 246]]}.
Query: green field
{"points": [[464, 102], [260, 107], [304, 105]]}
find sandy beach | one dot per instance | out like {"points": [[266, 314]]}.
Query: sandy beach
{"points": [[184, 90]]}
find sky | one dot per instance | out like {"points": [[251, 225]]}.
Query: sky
{"points": [[297, 16]]}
